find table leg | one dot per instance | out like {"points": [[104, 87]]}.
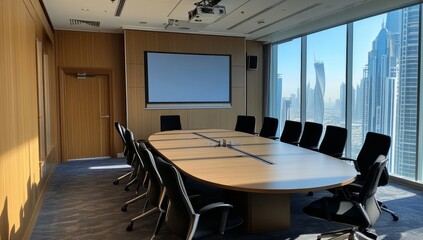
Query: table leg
{"points": [[267, 212]]}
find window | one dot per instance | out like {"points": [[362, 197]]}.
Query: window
{"points": [[326, 64], [384, 92], [285, 84], [385, 71]]}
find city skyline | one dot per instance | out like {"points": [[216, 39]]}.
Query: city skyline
{"points": [[385, 79]]}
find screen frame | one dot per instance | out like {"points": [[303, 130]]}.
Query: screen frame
{"points": [[184, 105]]}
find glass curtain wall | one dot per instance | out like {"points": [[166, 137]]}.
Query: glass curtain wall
{"points": [[326, 65], [385, 77], [286, 79]]}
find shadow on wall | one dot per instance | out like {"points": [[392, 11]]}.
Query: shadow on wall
{"points": [[25, 215], [4, 221]]}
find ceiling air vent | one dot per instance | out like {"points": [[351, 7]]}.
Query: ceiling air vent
{"points": [[75, 22]]}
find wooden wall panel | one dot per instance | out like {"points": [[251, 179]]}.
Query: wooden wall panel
{"points": [[22, 179], [255, 84], [101, 51], [144, 121]]}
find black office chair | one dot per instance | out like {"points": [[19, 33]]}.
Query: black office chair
{"points": [[142, 176], [374, 144], [291, 132], [188, 221], [170, 122], [155, 190], [120, 129], [361, 211], [245, 124], [131, 158], [333, 142], [269, 128], [311, 135]]}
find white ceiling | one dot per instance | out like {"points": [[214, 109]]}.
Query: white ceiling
{"points": [[265, 20]]}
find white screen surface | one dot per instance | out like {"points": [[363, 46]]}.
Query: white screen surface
{"points": [[187, 78]]}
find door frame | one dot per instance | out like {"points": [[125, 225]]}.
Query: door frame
{"points": [[63, 71]]}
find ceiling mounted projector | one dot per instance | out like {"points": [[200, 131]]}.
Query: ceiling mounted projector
{"points": [[206, 14]]}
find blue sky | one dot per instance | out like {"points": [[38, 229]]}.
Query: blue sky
{"points": [[328, 46]]}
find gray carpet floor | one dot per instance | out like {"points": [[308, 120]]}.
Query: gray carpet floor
{"points": [[82, 203]]}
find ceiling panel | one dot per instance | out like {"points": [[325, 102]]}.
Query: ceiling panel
{"points": [[265, 20]]}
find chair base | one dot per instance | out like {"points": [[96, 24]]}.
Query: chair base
{"points": [[116, 182], [350, 234], [384, 208]]}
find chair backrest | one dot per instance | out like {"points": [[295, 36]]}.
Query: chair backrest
{"points": [[291, 132], [334, 140], [181, 218], [129, 138], [120, 129], [375, 144], [155, 184], [170, 122], [269, 128], [311, 135], [367, 194], [245, 124]]}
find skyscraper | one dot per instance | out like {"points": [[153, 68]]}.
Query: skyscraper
{"points": [[342, 101], [406, 108], [380, 84], [319, 92]]}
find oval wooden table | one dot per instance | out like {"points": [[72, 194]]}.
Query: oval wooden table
{"points": [[265, 171]]}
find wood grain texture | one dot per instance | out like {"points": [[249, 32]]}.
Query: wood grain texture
{"points": [[255, 84], [22, 176], [97, 51], [291, 169], [144, 121], [86, 134], [261, 171]]}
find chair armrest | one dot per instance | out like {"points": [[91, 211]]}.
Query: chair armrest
{"points": [[314, 148], [194, 196], [295, 143], [336, 155], [348, 159], [213, 206], [196, 200], [351, 160], [224, 214]]}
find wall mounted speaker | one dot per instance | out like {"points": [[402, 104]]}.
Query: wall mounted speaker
{"points": [[252, 63]]}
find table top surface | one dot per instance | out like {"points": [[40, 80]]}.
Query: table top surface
{"points": [[252, 163]]}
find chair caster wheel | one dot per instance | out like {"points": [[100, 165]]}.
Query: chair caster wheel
{"points": [[310, 194], [126, 188], [395, 218], [116, 182], [124, 208], [129, 227]]}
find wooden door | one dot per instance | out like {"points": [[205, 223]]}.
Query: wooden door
{"points": [[85, 116]]}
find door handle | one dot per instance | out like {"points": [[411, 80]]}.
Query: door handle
{"points": [[105, 116]]}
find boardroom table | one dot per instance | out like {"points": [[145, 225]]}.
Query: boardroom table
{"points": [[265, 172]]}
